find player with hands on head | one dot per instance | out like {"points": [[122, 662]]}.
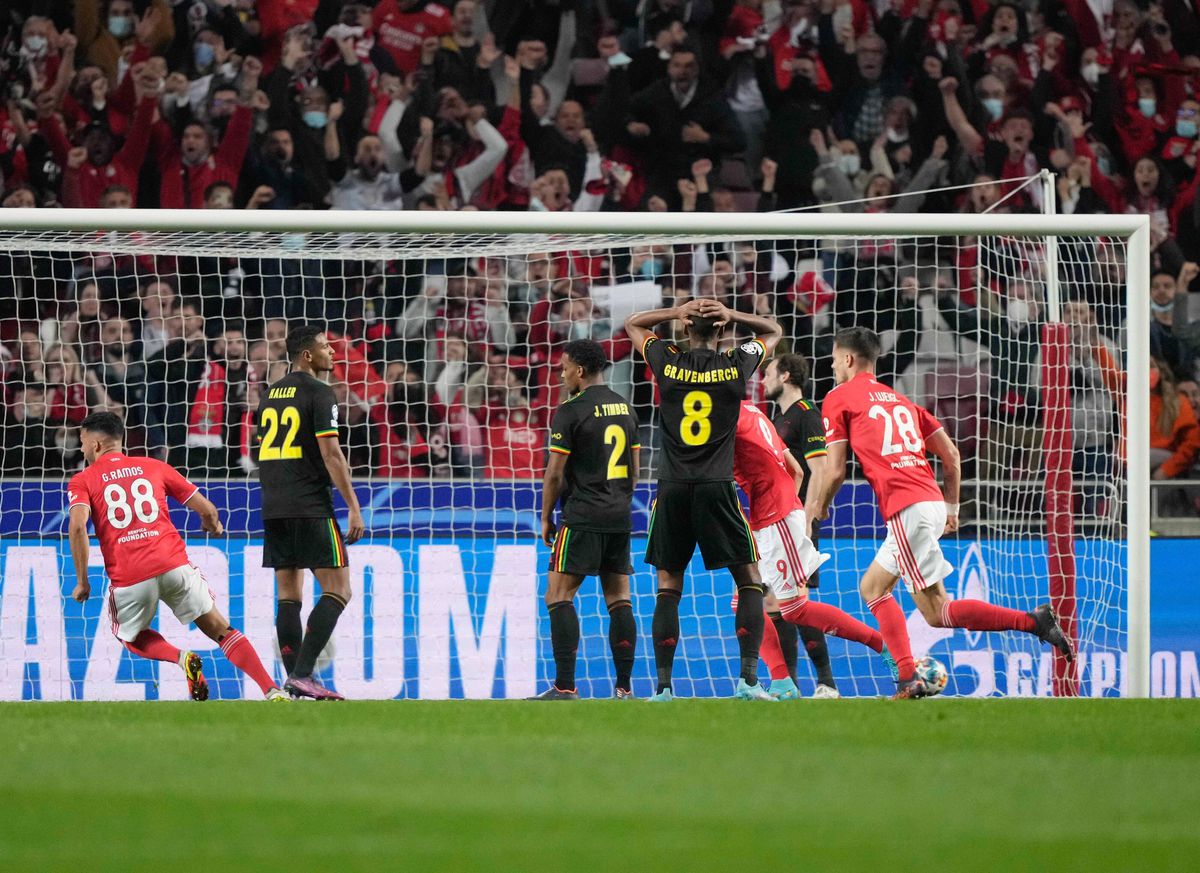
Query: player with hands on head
{"points": [[697, 503], [145, 557]]}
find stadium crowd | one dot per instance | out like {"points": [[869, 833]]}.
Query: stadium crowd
{"points": [[446, 367]]}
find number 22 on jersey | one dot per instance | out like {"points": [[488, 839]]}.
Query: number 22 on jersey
{"points": [[273, 420]]}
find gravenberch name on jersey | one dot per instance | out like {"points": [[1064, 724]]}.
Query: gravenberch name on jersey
{"points": [[121, 473]]}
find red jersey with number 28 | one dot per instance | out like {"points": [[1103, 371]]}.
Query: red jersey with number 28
{"points": [[887, 432], [128, 500], [761, 470]]}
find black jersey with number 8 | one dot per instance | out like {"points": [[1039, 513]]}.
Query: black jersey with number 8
{"points": [[294, 413], [701, 394]]}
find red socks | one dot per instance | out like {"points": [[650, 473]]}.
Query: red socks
{"points": [[894, 630], [770, 650], [151, 644], [242, 655], [977, 615], [832, 620]]}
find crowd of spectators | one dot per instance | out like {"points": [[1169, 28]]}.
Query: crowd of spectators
{"points": [[447, 366]]}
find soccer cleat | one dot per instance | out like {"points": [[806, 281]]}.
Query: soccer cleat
{"points": [[891, 664], [555, 693], [746, 691], [826, 692], [661, 697], [277, 694], [193, 670], [309, 687], [1049, 631], [913, 688], [784, 689], [622, 694]]}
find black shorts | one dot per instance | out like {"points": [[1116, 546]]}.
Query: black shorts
{"points": [[303, 543], [589, 552], [708, 514]]}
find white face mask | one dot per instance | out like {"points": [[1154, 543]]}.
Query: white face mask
{"points": [[35, 45], [1090, 73], [850, 164]]}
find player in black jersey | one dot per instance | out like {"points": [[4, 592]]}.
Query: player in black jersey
{"points": [[592, 467], [697, 504], [298, 457], [799, 425]]}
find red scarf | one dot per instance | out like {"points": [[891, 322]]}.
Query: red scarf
{"points": [[208, 409]]}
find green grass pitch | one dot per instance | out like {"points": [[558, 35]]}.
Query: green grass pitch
{"points": [[956, 785]]}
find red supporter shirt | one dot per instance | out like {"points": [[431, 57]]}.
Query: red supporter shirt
{"points": [[516, 445], [760, 469], [402, 33], [128, 500], [887, 432]]}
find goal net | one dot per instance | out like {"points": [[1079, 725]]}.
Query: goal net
{"points": [[447, 329]]}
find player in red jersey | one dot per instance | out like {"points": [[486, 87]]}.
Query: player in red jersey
{"points": [[890, 436], [765, 469], [145, 557]]}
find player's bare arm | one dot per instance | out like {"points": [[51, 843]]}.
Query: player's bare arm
{"points": [[794, 467], [766, 330], [835, 467], [640, 326], [210, 519], [941, 445], [817, 473], [552, 488], [339, 471], [77, 535], [636, 459]]}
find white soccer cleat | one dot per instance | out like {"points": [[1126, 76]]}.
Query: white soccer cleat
{"points": [[826, 692]]}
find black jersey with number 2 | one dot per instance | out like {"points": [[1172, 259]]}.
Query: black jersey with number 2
{"points": [[803, 432], [596, 429], [294, 413], [701, 395]]}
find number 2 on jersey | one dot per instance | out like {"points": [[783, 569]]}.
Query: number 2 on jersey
{"points": [[272, 420], [695, 428], [614, 435], [904, 424]]}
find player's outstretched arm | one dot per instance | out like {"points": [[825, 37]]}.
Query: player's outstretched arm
{"points": [[552, 488], [210, 519], [766, 330], [640, 325], [339, 472], [77, 535], [835, 467], [941, 445]]}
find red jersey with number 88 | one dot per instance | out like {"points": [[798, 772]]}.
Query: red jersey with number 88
{"points": [[887, 432], [128, 499], [761, 470]]}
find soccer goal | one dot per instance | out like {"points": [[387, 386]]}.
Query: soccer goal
{"points": [[1021, 333]]}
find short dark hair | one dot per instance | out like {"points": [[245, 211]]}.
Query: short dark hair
{"points": [[862, 342], [795, 367], [588, 354], [216, 186], [302, 339], [1162, 272], [107, 423], [704, 327]]}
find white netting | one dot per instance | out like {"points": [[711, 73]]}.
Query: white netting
{"points": [[447, 348]]}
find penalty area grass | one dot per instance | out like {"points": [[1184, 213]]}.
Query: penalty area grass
{"points": [[963, 785]]}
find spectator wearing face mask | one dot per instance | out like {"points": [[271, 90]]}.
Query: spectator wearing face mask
{"points": [[1169, 318], [106, 29]]}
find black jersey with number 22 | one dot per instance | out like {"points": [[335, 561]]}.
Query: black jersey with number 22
{"points": [[294, 413], [702, 392], [597, 431]]}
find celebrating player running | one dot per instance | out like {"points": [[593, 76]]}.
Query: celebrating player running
{"points": [[144, 556], [890, 436]]}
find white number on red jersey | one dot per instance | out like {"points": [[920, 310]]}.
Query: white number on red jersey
{"points": [[904, 424], [121, 513]]}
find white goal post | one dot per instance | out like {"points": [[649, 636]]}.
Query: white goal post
{"points": [[397, 236]]}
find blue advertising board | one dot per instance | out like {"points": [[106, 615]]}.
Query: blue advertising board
{"points": [[447, 604]]}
